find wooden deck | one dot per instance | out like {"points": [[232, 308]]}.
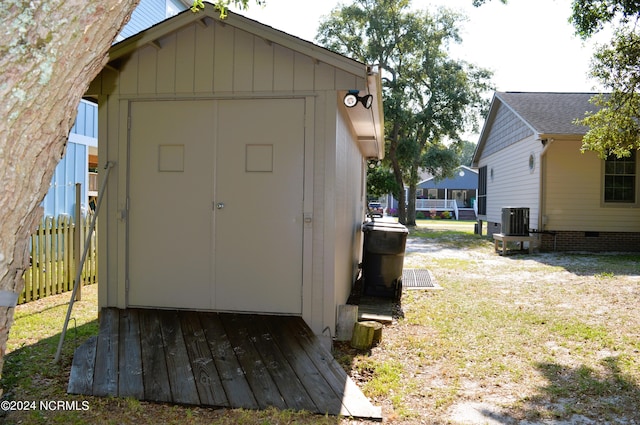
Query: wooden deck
{"points": [[215, 359]]}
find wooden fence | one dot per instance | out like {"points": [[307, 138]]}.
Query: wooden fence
{"points": [[53, 265]]}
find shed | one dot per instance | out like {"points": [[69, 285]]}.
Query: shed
{"points": [[239, 178]]}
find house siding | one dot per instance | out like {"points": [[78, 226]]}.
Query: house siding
{"points": [[573, 193], [506, 129], [147, 14], [73, 166], [72, 169], [86, 123], [511, 183]]}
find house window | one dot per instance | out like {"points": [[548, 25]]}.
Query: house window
{"points": [[620, 179], [482, 190]]}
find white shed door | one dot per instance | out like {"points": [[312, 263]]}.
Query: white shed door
{"points": [[171, 148], [216, 198], [259, 193]]}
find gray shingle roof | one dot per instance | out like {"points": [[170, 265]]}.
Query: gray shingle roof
{"points": [[550, 113]]}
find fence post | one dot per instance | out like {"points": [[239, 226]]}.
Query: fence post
{"points": [[76, 239]]}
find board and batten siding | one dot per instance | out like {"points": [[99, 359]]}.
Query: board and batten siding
{"points": [[349, 215], [220, 59], [573, 193], [207, 59]]}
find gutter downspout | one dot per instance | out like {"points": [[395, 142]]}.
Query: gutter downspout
{"points": [[546, 143]]}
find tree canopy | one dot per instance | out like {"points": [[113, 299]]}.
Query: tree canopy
{"points": [[223, 5], [614, 129], [430, 99]]}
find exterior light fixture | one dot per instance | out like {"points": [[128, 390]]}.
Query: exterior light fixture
{"points": [[351, 99]]}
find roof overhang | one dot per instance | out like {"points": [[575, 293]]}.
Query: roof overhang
{"points": [[153, 36], [368, 124]]}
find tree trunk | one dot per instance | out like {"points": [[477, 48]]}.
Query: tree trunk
{"points": [[57, 47], [411, 202], [411, 205], [397, 175]]}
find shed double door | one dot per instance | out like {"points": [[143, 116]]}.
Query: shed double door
{"points": [[215, 205]]}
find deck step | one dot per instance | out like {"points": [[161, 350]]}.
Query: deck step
{"points": [[215, 359]]}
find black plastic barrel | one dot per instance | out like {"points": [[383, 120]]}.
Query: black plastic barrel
{"points": [[383, 258]]}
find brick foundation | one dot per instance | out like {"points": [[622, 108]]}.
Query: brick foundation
{"points": [[591, 241], [582, 241]]}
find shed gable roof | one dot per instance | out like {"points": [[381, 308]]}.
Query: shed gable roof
{"points": [[367, 124], [153, 34]]}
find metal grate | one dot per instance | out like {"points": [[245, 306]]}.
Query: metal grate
{"points": [[418, 279]]}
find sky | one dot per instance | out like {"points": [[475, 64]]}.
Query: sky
{"points": [[528, 44]]}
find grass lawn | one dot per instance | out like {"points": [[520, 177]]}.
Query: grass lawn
{"points": [[541, 338]]}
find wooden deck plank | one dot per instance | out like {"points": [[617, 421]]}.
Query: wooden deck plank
{"points": [[355, 402], [130, 383], [215, 359], [181, 381], [317, 361], [155, 376], [232, 376], [264, 388], [105, 382], [292, 390], [208, 382], [82, 368], [323, 396]]}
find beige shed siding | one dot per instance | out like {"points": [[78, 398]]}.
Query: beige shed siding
{"points": [[222, 59], [513, 183], [573, 193], [348, 215]]}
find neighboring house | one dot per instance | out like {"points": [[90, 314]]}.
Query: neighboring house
{"points": [[239, 178], [455, 194], [80, 161], [149, 13], [529, 155], [80, 157]]}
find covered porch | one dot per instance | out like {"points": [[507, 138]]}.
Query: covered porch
{"points": [[215, 359]]}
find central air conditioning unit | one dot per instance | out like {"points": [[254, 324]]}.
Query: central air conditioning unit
{"points": [[515, 221]]}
